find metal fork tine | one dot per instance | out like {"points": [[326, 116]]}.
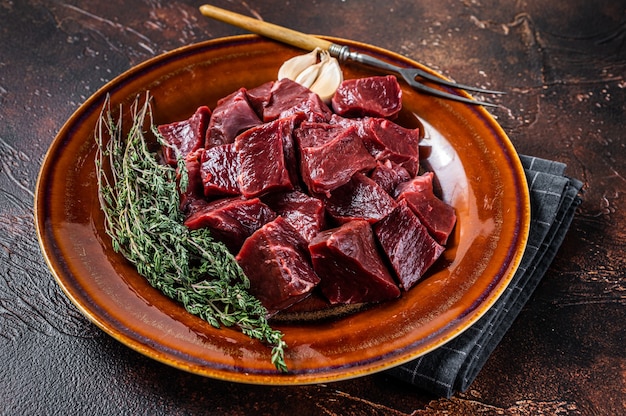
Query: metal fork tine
{"points": [[443, 94], [423, 74]]}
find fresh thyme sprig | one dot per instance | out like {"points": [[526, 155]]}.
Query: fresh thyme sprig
{"points": [[140, 201]]}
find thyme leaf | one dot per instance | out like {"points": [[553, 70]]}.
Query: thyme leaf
{"points": [[140, 201]]}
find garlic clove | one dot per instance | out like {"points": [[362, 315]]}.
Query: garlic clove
{"points": [[307, 77], [328, 80], [291, 68]]}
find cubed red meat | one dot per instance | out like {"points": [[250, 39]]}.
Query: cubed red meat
{"points": [[289, 98], [231, 220], [350, 267], [232, 115], [359, 199], [262, 165], [438, 216], [386, 140], [390, 141], [276, 261], [193, 195], [259, 97], [186, 136], [377, 96], [408, 245], [315, 134], [305, 213], [330, 165], [219, 171], [389, 175]]}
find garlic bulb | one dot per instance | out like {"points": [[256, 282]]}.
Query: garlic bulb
{"points": [[323, 77]]}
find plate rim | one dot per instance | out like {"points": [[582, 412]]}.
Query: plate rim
{"points": [[274, 379]]}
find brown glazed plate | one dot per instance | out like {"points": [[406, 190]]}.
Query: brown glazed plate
{"points": [[476, 167]]}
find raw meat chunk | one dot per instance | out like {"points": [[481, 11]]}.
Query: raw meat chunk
{"points": [[289, 98], [438, 216], [289, 150], [259, 97], [185, 136], [314, 134], [232, 115], [305, 213], [219, 170], [390, 141], [326, 167], [360, 199], [262, 166], [378, 96], [362, 125], [349, 266], [386, 140], [231, 220], [407, 244], [276, 260], [389, 175]]}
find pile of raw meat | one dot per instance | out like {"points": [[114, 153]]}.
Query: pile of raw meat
{"points": [[313, 196]]}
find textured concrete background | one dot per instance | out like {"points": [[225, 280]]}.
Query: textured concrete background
{"points": [[563, 64]]}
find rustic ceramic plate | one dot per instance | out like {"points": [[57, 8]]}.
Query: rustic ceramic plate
{"points": [[476, 167]]}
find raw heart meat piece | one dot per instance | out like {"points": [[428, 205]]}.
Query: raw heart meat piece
{"points": [[378, 96], [350, 268], [276, 260], [262, 164], [438, 216], [231, 220], [185, 136], [303, 212], [359, 199], [232, 115], [219, 170], [408, 245]]}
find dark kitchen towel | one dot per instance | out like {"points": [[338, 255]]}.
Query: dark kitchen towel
{"points": [[454, 366]]}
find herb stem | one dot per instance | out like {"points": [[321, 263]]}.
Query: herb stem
{"points": [[140, 201]]}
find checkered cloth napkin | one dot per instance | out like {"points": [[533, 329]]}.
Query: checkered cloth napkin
{"points": [[454, 366]]}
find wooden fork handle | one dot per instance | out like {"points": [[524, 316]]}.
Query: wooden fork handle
{"points": [[270, 30]]}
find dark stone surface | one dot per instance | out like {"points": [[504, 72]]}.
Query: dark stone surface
{"points": [[563, 64]]}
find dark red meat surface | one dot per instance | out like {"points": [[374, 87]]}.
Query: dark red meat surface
{"points": [[379, 96], [408, 245], [390, 141], [276, 260], [305, 213], [332, 164], [289, 98], [293, 189], [438, 217], [386, 140], [350, 267], [231, 220], [262, 166], [185, 136], [360, 199], [259, 97], [194, 193], [219, 171], [315, 134], [388, 175], [232, 115]]}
